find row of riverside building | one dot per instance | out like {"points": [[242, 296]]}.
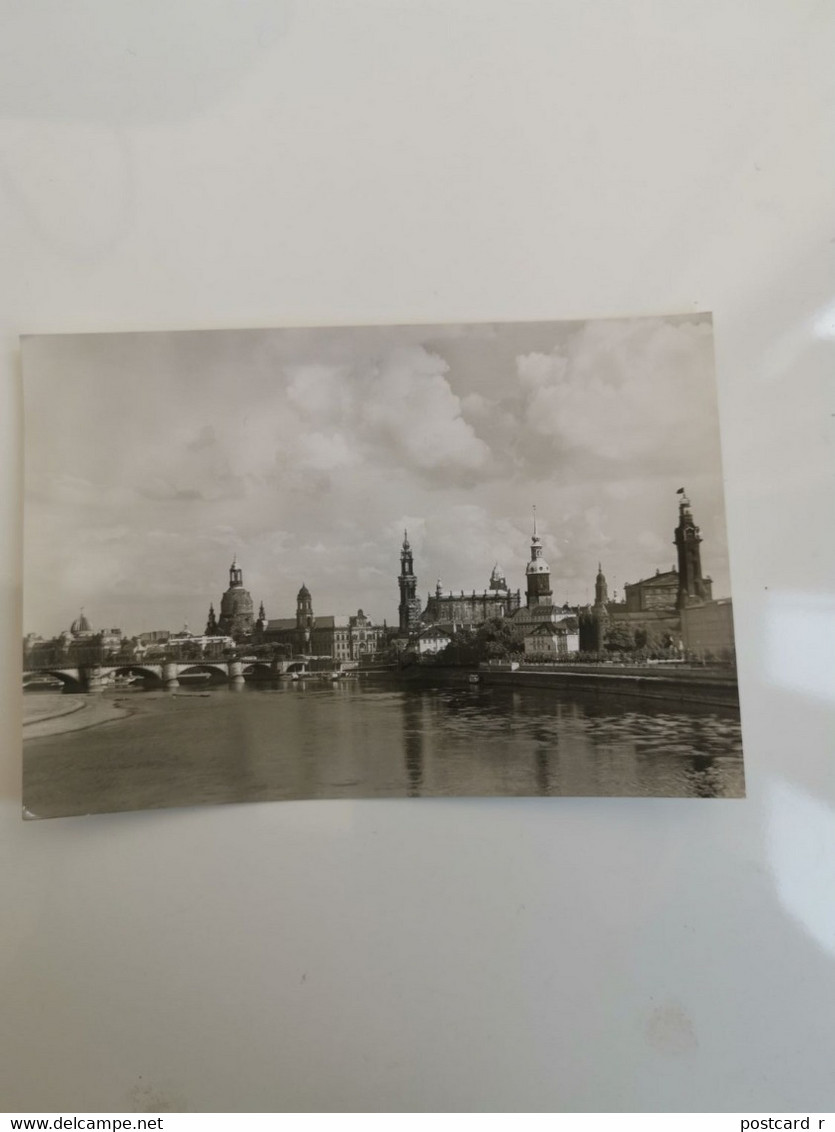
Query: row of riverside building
{"points": [[342, 638], [673, 611]]}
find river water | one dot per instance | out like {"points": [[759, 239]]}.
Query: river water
{"points": [[364, 739]]}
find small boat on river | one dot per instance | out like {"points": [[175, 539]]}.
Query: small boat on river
{"points": [[43, 683]]}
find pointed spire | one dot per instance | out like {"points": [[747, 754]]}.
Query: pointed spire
{"points": [[211, 624], [601, 594], [534, 520]]}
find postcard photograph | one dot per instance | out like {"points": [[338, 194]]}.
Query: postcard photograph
{"points": [[376, 562]]}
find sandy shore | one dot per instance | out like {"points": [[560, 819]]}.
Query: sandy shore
{"points": [[46, 714], [48, 705]]}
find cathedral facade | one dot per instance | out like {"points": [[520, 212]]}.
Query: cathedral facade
{"points": [[449, 609], [452, 611], [474, 608]]}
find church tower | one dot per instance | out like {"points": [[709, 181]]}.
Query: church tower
{"points": [[262, 623], [692, 587], [537, 573], [498, 582], [409, 608], [211, 623], [600, 612], [601, 590], [594, 619], [304, 618]]}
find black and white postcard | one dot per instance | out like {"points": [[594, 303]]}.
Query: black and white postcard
{"points": [[376, 562]]}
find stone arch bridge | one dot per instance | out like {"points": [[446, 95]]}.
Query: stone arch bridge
{"points": [[93, 677]]}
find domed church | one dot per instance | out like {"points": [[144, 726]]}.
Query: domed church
{"points": [[81, 627], [236, 608]]}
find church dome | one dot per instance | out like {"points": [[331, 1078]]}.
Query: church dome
{"points": [[304, 591], [80, 625]]}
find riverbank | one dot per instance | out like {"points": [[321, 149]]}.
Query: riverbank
{"points": [[47, 714], [48, 705]]}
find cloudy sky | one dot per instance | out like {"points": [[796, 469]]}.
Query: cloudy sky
{"points": [[152, 458]]}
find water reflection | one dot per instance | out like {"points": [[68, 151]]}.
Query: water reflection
{"points": [[543, 770], [703, 776], [358, 739], [545, 755], [499, 740], [413, 741]]}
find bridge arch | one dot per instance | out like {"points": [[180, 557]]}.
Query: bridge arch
{"points": [[70, 678], [206, 666], [148, 672]]}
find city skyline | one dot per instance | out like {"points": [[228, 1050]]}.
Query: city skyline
{"points": [[153, 459], [616, 592]]}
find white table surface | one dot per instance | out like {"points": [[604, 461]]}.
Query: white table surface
{"points": [[278, 163]]}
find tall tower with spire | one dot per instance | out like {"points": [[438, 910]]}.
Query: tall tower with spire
{"points": [[692, 587], [600, 611], [262, 622], [537, 573], [304, 618], [601, 590], [211, 623], [409, 608]]}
